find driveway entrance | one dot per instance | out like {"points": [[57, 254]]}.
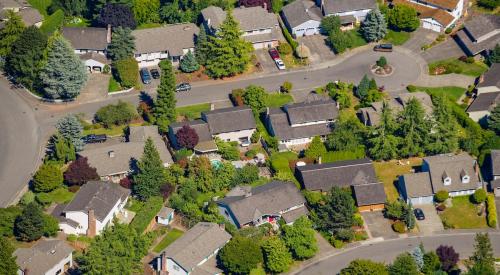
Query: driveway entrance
{"points": [[432, 222], [379, 226]]}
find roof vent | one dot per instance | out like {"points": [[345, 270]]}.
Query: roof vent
{"points": [[111, 154], [52, 251]]}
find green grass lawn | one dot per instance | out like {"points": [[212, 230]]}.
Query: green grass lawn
{"points": [[453, 93], [40, 5], [193, 111], [280, 161], [277, 100], [171, 236], [147, 213], [53, 22], [357, 38], [59, 195], [148, 26], [134, 205], [397, 38], [112, 132], [463, 215], [113, 85], [453, 65], [389, 171]]}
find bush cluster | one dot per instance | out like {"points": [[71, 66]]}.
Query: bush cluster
{"points": [[127, 72], [116, 114], [399, 226], [441, 195], [491, 210]]}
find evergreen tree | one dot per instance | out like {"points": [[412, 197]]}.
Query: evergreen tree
{"points": [[189, 63], [494, 56], [383, 143], [71, 129], [146, 11], [299, 238], [171, 13], [337, 213], [444, 138], [363, 87], [277, 258], [431, 263], [483, 258], [409, 216], [29, 225], [315, 149], [11, 31], [47, 178], [494, 120], [63, 149], [64, 74], [122, 44], [164, 106], [374, 27], [418, 256], [348, 134], [228, 54], [403, 265], [150, 173], [414, 129], [8, 265], [201, 46]]}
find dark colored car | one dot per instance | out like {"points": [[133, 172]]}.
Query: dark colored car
{"points": [[94, 138], [419, 214], [183, 87], [155, 73], [383, 48], [274, 54], [145, 76]]}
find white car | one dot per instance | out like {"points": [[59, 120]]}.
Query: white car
{"points": [[280, 64]]}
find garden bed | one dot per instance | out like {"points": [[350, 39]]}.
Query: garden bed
{"points": [[453, 65], [463, 214]]}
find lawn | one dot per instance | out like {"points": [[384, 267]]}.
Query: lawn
{"points": [[148, 26], [453, 93], [357, 38], [111, 132], [277, 100], [192, 111], [40, 5], [462, 215], [78, 22], [453, 65], [59, 195], [53, 22], [113, 85], [389, 171], [146, 214], [171, 236], [332, 156], [280, 162], [397, 38]]}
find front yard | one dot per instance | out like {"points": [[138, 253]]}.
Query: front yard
{"points": [[453, 93], [463, 215], [453, 65], [397, 38], [389, 171], [192, 112]]}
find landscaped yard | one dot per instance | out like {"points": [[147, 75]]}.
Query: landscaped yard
{"points": [[280, 161], [193, 111], [453, 65], [111, 132], [463, 215], [397, 38], [59, 195], [171, 236], [389, 171], [357, 38], [277, 100], [453, 93], [52, 22]]}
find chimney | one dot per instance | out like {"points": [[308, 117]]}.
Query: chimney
{"points": [[108, 34], [212, 106], [163, 262], [111, 154], [26, 271], [92, 224]]}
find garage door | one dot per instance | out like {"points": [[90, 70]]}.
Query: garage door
{"points": [[311, 31], [430, 26], [259, 46]]}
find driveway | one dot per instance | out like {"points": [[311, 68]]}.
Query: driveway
{"points": [[419, 38], [266, 61], [95, 89], [378, 226], [443, 50], [432, 222], [320, 51]]}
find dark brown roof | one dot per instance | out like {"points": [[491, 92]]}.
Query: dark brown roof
{"points": [[484, 102], [491, 77], [87, 38], [369, 194], [230, 119]]}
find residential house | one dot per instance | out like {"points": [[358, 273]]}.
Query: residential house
{"points": [[253, 206], [29, 15], [194, 252], [480, 34], [92, 209], [165, 216], [12, 5], [170, 41], [205, 144], [46, 257], [266, 4], [370, 116], [115, 160], [259, 27], [495, 172], [350, 12], [457, 174], [94, 62], [298, 123], [231, 124], [302, 18], [90, 44], [356, 174], [487, 94]]}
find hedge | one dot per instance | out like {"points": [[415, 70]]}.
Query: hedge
{"points": [[491, 210], [147, 213], [127, 72], [289, 37]]}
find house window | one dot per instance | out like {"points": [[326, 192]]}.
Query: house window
{"points": [[447, 181], [466, 179]]}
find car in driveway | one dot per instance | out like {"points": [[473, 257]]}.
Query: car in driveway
{"points": [[145, 76], [274, 53], [94, 138], [383, 48], [155, 73], [183, 87], [419, 214], [280, 64]]}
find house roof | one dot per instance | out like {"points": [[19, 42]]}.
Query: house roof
{"points": [[197, 244], [293, 215], [180, 37], [282, 129], [447, 4], [30, 16], [312, 111], [271, 199], [495, 184], [369, 194], [249, 18], [99, 196], [473, 48], [495, 162], [482, 24], [229, 119], [10, 4], [58, 213], [301, 11], [484, 102], [490, 78], [94, 56], [452, 166], [441, 16], [418, 185], [43, 256], [216, 15], [165, 212], [341, 6], [205, 141], [86, 38]]}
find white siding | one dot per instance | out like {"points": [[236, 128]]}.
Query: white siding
{"points": [[359, 14], [431, 24], [235, 136], [462, 193], [310, 27], [299, 141], [81, 218], [174, 269], [60, 266], [167, 220]]}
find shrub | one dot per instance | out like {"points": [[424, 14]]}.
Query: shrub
{"points": [[289, 38], [285, 48], [237, 97], [47, 178], [441, 207], [448, 30], [183, 154], [489, 4], [441, 38], [338, 243], [79, 172], [470, 60], [119, 114], [127, 72], [228, 150], [479, 196], [491, 210], [255, 137], [399, 227], [382, 61], [126, 183], [345, 235], [251, 153], [106, 69], [358, 220], [411, 88], [441, 196], [286, 87], [146, 214]]}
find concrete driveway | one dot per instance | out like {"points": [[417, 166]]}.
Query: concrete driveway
{"points": [[95, 89], [419, 38], [443, 50], [432, 222], [266, 62], [379, 226], [320, 51]]}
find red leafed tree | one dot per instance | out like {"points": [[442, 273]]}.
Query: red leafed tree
{"points": [[447, 256], [166, 190], [187, 137], [126, 183], [79, 172]]}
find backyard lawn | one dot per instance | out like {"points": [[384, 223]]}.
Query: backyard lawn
{"points": [[277, 100], [462, 215], [114, 131], [52, 22], [193, 111], [59, 195], [171, 236], [280, 161], [453, 65], [357, 38], [389, 171], [397, 38], [453, 93]]}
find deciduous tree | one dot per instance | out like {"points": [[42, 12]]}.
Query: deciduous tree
{"points": [[404, 265], [374, 27], [146, 11], [164, 106], [255, 97], [240, 255], [30, 224], [403, 18], [122, 44], [117, 15], [277, 258], [8, 263], [315, 149], [150, 173], [47, 178], [116, 114], [11, 31], [187, 137], [79, 172], [364, 267], [339, 41], [300, 239], [330, 24], [448, 257]]}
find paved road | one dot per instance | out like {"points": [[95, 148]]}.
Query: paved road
{"points": [[386, 251]]}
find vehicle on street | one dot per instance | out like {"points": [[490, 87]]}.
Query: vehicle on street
{"points": [[383, 48], [419, 214], [145, 76], [155, 73], [280, 64], [183, 87], [274, 53], [94, 138]]}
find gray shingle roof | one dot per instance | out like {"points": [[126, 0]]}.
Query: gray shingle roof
{"points": [[43, 256], [172, 38], [484, 102], [369, 194], [417, 185], [86, 38], [453, 166], [95, 56], [301, 11], [472, 47], [271, 198], [491, 77], [482, 24], [293, 215], [200, 126], [495, 162], [340, 6], [215, 15], [10, 4], [99, 196], [30, 16], [195, 245], [282, 129], [165, 212], [251, 18], [229, 119], [312, 111]]}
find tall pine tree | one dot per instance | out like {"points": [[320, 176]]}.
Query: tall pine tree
{"points": [[414, 129], [483, 259], [374, 27], [164, 106], [122, 44], [188, 63], [201, 46], [363, 87], [444, 137], [10, 32], [151, 174], [71, 129], [8, 263], [29, 225], [494, 120], [383, 142]]}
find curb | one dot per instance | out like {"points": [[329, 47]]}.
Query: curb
{"points": [[119, 92]]}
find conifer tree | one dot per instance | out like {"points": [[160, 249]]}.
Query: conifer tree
{"points": [[151, 173], [8, 263], [363, 87], [444, 137], [71, 129], [29, 225], [10, 32], [384, 145], [414, 129], [483, 258], [189, 63], [164, 106], [374, 27], [277, 258], [494, 120], [201, 46], [122, 44]]}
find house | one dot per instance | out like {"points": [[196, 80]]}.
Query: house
{"points": [[253, 206], [115, 160], [31, 17], [205, 144], [165, 216], [495, 172], [479, 34], [169, 41], [46, 257], [12, 5], [487, 94], [356, 174], [88, 39], [92, 209], [297, 123], [266, 4], [194, 252], [259, 27], [370, 116], [94, 62], [349, 11], [457, 174], [231, 124], [302, 18], [435, 15]]}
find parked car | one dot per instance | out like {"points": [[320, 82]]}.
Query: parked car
{"points": [[94, 138], [155, 73], [274, 53], [145, 76], [280, 64], [383, 48], [419, 214], [183, 87]]}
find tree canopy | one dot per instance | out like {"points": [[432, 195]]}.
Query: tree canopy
{"points": [[8, 263], [71, 129], [187, 137], [240, 255], [300, 239], [337, 213], [364, 267], [403, 17], [494, 120], [47, 178], [117, 15], [277, 258], [164, 105], [189, 63], [79, 172], [11, 31], [374, 27], [404, 265], [122, 44], [30, 224], [150, 173]]}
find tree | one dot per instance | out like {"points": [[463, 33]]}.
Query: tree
{"points": [[71, 8], [287, 86], [431, 263], [479, 196], [363, 87], [403, 18], [8, 263], [71, 129], [347, 135], [11, 31], [494, 120], [381, 62], [246, 175], [403, 265], [8, 217], [277, 258], [316, 149], [47, 178], [489, 4], [394, 210], [240, 255], [337, 213], [255, 97], [228, 53], [418, 256], [201, 46], [171, 13], [414, 129], [330, 24], [483, 258], [79, 172], [364, 267], [164, 106], [448, 257], [189, 63], [300, 239], [122, 44], [63, 150], [50, 225], [201, 172], [146, 11], [116, 114], [187, 137], [374, 27], [277, 5], [150, 173], [441, 195], [494, 55], [339, 41], [29, 225], [408, 216], [126, 72], [117, 15], [444, 138], [384, 144], [224, 176]]}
